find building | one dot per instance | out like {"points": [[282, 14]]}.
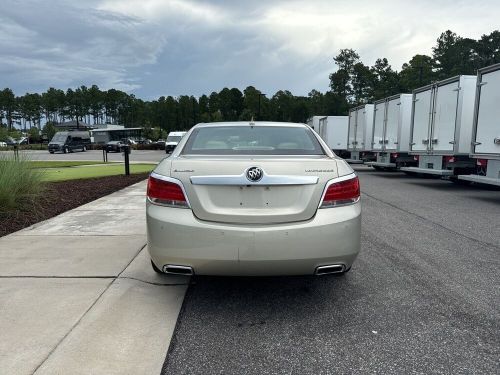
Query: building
{"points": [[72, 125], [114, 133]]}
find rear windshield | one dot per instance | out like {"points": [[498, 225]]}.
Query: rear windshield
{"points": [[174, 138], [256, 140]]}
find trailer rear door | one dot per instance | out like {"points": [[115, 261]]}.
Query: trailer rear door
{"points": [[360, 127], [421, 117], [391, 125], [351, 144], [488, 115], [378, 127], [445, 117]]}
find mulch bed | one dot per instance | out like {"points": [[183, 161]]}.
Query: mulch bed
{"points": [[64, 196]]}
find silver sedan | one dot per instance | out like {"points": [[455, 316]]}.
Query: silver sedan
{"points": [[253, 198]]}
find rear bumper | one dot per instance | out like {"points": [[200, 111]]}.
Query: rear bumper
{"points": [[480, 179], [382, 165], [176, 236], [439, 172], [55, 147], [354, 161]]}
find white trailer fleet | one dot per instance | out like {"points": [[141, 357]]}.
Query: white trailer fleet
{"points": [[449, 128], [391, 132], [334, 131], [360, 133], [486, 130], [441, 127]]}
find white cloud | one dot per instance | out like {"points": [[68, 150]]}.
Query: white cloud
{"points": [[66, 45], [172, 47]]}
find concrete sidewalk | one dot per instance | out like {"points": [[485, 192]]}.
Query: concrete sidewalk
{"points": [[78, 295]]}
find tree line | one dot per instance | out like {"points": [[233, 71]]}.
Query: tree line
{"points": [[352, 83]]}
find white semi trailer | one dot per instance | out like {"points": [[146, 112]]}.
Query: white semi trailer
{"points": [[391, 133], [334, 130], [486, 131], [313, 122], [360, 134], [441, 127]]}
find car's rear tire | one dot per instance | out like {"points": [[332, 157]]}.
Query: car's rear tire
{"points": [[156, 269], [65, 150], [51, 152], [84, 148]]}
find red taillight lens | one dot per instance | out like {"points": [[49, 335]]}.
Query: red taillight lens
{"points": [[449, 159], [166, 193], [341, 193], [482, 162]]}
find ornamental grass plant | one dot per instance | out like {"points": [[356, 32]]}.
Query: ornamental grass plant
{"points": [[20, 184]]}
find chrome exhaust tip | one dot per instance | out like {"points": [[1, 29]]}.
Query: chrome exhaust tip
{"points": [[329, 269], [178, 270]]}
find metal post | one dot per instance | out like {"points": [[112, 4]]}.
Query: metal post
{"points": [[104, 155], [126, 153], [16, 152]]}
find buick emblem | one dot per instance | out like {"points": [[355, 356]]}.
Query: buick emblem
{"points": [[254, 174]]}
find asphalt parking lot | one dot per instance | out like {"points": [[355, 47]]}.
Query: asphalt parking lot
{"points": [[135, 156], [423, 296]]}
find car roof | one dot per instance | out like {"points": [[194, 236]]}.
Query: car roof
{"points": [[250, 123]]}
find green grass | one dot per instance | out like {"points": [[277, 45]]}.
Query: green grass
{"points": [[20, 185], [74, 173], [60, 163]]}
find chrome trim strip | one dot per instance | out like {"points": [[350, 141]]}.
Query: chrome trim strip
{"points": [[334, 181], [174, 181], [241, 180]]}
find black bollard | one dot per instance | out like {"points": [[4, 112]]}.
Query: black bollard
{"points": [[104, 155], [16, 152], [126, 152]]}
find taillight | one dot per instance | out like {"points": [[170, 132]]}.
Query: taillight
{"points": [[449, 159], [342, 192], [482, 162], [166, 193]]}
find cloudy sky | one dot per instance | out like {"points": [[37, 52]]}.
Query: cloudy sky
{"points": [[173, 47]]}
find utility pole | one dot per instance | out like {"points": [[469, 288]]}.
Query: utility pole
{"points": [[260, 95]]}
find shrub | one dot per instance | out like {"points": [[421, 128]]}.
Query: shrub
{"points": [[20, 185]]}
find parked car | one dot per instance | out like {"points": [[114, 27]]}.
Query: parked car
{"points": [[3, 144], [277, 201], [69, 141], [116, 146], [23, 141], [160, 144], [10, 141], [173, 140]]}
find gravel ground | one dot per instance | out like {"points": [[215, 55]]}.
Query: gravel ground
{"points": [[423, 296]]}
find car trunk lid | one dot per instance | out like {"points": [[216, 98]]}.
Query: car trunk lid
{"points": [[289, 189]]}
